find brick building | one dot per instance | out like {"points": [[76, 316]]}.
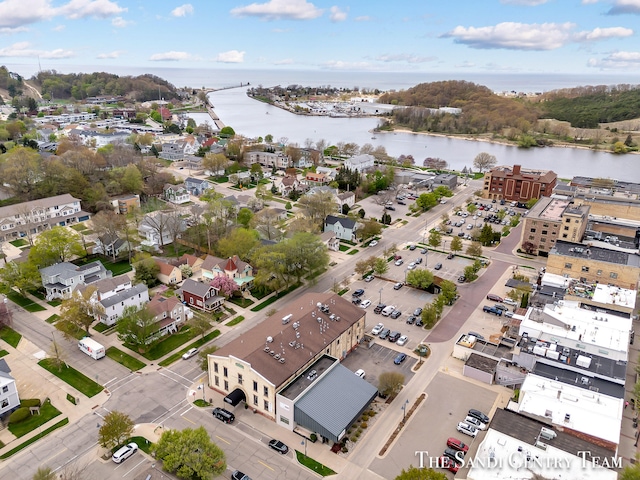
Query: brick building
{"points": [[518, 184]]}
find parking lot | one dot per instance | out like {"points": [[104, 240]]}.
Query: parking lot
{"points": [[451, 268], [379, 359], [448, 401]]}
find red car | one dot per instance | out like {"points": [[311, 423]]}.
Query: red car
{"points": [[457, 445], [397, 257], [448, 464]]}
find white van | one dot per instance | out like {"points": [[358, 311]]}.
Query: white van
{"points": [[388, 310], [125, 452], [91, 348]]}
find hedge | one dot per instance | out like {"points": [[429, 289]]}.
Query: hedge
{"points": [[19, 415]]}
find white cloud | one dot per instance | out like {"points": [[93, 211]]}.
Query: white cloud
{"points": [[232, 56], [23, 49], [403, 57], [465, 64], [340, 65], [528, 3], [120, 22], [279, 9], [337, 15], [363, 18], [182, 10], [625, 6], [589, 2], [114, 54], [171, 56], [59, 28], [285, 61], [512, 35], [604, 33], [16, 13], [617, 60], [10, 30]]}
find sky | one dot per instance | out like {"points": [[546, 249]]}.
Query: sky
{"points": [[492, 36]]}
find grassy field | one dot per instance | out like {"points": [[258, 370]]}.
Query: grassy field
{"points": [[169, 344], [198, 343], [144, 444], [314, 465], [241, 301], [19, 242], [125, 359], [47, 412], [35, 438], [73, 377], [26, 303], [3, 353], [10, 336], [101, 327]]}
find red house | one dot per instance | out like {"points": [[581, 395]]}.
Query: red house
{"points": [[200, 295]]}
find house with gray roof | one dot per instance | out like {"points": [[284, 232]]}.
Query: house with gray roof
{"points": [[115, 294], [9, 398], [61, 279], [200, 295], [196, 186], [343, 227], [361, 163]]}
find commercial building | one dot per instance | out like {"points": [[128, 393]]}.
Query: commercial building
{"points": [[551, 219], [287, 366], [591, 263], [518, 184]]}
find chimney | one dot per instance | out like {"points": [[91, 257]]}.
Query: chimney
{"points": [[516, 169]]}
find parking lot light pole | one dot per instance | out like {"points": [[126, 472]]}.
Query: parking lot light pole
{"points": [[380, 302], [404, 410]]}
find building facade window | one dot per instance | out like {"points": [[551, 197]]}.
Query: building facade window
{"points": [[568, 265], [266, 405], [225, 372], [585, 268], [255, 400], [255, 386], [265, 391], [226, 385], [599, 272], [215, 367], [240, 378], [216, 380], [613, 275]]}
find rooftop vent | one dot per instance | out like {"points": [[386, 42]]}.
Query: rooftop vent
{"points": [[269, 339], [266, 349], [281, 360], [277, 356], [286, 318]]}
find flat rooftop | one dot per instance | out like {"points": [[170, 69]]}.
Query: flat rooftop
{"points": [[300, 384], [600, 254], [589, 412], [511, 459], [611, 295], [549, 209], [585, 380]]}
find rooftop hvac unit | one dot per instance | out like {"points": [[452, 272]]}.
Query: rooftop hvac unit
{"points": [[281, 360], [269, 339], [266, 349], [296, 325], [292, 343], [547, 433], [277, 356], [332, 317], [541, 445], [287, 318]]}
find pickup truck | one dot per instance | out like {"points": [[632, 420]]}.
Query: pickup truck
{"points": [[494, 310]]}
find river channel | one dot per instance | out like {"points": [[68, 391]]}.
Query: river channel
{"points": [[251, 118]]}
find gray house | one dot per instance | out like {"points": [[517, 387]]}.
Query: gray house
{"points": [[195, 186], [61, 279], [344, 228], [447, 179]]}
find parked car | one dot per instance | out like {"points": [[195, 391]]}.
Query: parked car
{"points": [[358, 293], [402, 340], [423, 251], [395, 314], [238, 475], [492, 310], [456, 444], [125, 452], [456, 455], [418, 261], [368, 278], [419, 322], [462, 279], [400, 202], [483, 417], [450, 256], [511, 302], [384, 334], [494, 298], [412, 247], [438, 266], [467, 429], [398, 286], [399, 262], [504, 308], [411, 320], [475, 422], [397, 257], [401, 357], [278, 446], [189, 353], [394, 336], [360, 373], [377, 329], [448, 464], [379, 308], [388, 310], [356, 300], [389, 207], [418, 311], [411, 266], [365, 304], [461, 234]]}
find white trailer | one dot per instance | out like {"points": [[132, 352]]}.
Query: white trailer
{"points": [[91, 348]]}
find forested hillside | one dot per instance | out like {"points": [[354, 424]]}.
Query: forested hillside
{"points": [[482, 110], [586, 107], [82, 85]]}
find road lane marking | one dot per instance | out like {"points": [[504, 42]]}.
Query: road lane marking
{"points": [[266, 466], [185, 418], [54, 455], [225, 441], [132, 469]]}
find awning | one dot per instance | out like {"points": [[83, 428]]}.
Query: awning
{"points": [[235, 397]]}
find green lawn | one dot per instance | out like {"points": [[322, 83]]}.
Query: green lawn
{"points": [[101, 327], [353, 252], [169, 344], [35, 438], [235, 321], [3, 353], [241, 301], [73, 377], [47, 412], [270, 300], [79, 227], [198, 343], [53, 318], [38, 294], [314, 465], [143, 444], [55, 303], [19, 242], [344, 248], [125, 359], [10, 336], [26, 303]]}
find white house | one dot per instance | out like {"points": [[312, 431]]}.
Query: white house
{"points": [[158, 228], [269, 159], [344, 228], [61, 279], [176, 194], [9, 398], [115, 294], [170, 314], [360, 163]]}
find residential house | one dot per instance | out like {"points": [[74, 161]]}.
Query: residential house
{"points": [[168, 274], [170, 314], [346, 198], [240, 178], [99, 139], [279, 160], [191, 162], [28, 218], [287, 185], [200, 295], [234, 268], [126, 204], [330, 240], [158, 229], [194, 262], [9, 398], [172, 151], [190, 145], [344, 228], [315, 179], [177, 194], [361, 163], [111, 246], [165, 113], [196, 186], [115, 294], [330, 173], [61, 279]]}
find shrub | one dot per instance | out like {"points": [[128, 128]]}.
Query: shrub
{"points": [[71, 398], [354, 439], [19, 415], [344, 449], [363, 425], [30, 402], [313, 437], [365, 417]]}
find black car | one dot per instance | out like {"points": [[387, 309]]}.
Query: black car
{"points": [[390, 207], [462, 279], [450, 256], [438, 266], [423, 251], [419, 322], [356, 300], [358, 293], [384, 334], [456, 455], [396, 314], [412, 247], [411, 320], [379, 308], [238, 475], [479, 415], [278, 446], [394, 336]]}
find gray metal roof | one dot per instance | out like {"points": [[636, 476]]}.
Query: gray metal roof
{"points": [[336, 400], [59, 269], [124, 295]]}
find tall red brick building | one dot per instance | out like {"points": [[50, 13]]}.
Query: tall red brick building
{"points": [[518, 184]]}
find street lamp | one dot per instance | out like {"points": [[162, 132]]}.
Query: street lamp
{"points": [[380, 302], [304, 442], [404, 410]]}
